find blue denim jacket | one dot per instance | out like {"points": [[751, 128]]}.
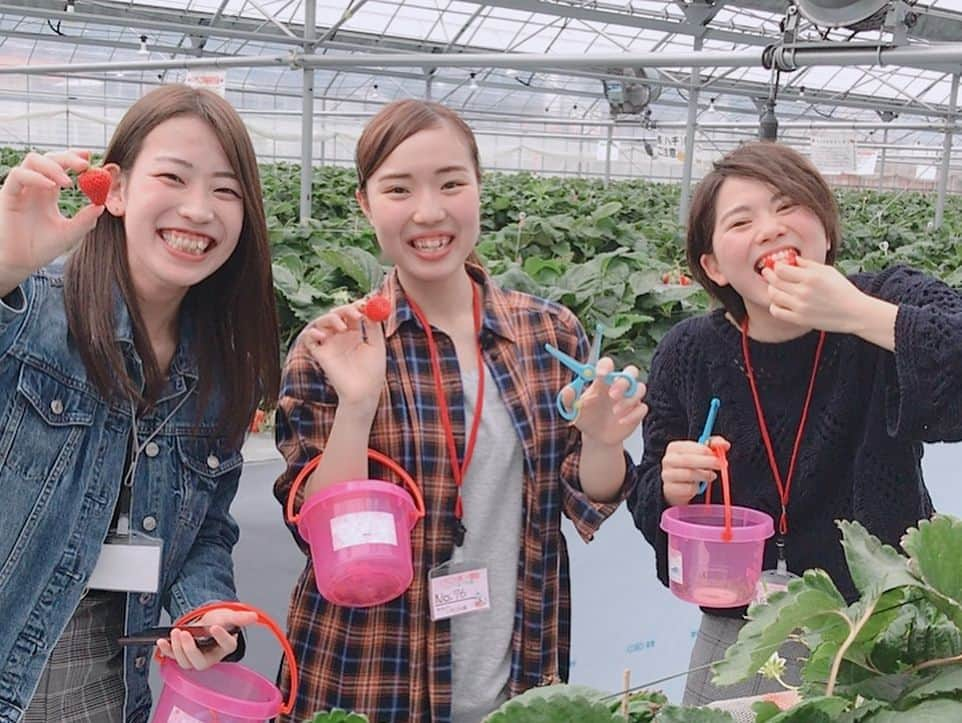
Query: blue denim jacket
{"points": [[62, 454]]}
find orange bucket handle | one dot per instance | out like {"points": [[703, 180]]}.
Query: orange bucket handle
{"points": [[262, 619], [722, 455], [372, 454]]}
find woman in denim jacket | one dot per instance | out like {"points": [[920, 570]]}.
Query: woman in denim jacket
{"points": [[128, 376]]}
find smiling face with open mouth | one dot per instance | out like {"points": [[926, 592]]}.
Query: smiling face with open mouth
{"points": [[182, 209], [424, 204], [756, 226]]}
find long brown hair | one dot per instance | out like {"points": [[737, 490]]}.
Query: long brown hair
{"points": [[777, 166], [398, 121], [233, 313]]}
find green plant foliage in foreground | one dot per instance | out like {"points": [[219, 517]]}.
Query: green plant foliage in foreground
{"points": [[893, 655]]}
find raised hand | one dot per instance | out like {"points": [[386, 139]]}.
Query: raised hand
{"points": [[355, 368], [815, 295], [33, 232], [605, 415]]}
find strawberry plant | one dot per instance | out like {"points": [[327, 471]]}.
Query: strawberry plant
{"points": [[894, 655]]}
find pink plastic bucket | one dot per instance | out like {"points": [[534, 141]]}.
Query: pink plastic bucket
{"points": [[715, 551], [705, 569], [225, 692], [359, 533]]}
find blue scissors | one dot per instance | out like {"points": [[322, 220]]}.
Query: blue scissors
{"points": [[586, 374], [706, 433]]}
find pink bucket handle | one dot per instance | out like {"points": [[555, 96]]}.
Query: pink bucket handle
{"points": [[262, 619], [722, 456], [372, 454]]}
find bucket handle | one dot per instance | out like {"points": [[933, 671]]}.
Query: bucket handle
{"points": [[262, 619], [722, 456], [372, 454]]}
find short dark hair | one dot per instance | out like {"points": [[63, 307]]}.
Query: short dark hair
{"points": [[775, 165]]}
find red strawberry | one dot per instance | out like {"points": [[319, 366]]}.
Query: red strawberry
{"points": [[791, 258], [95, 183], [377, 308], [684, 280]]}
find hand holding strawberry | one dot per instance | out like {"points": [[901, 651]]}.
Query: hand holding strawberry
{"points": [[353, 365], [33, 232]]}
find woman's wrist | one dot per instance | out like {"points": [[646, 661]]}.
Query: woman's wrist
{"points": [[875, 322], [356, 414]]}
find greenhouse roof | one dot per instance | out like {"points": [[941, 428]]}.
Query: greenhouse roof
{"points": [[58, 51]]}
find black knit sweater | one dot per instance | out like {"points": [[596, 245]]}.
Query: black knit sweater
{"points": [[871, 410]]}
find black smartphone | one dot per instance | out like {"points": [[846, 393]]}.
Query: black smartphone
{"points": [[202, 637]]}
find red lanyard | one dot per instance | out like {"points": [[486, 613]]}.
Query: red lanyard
{"points": [[457, 470], [784, 489]]}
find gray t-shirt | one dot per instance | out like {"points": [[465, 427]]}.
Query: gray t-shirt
{"points": [[492, 500]]}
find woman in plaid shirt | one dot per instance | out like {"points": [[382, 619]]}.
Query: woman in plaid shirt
{"points": [[419, 186]]}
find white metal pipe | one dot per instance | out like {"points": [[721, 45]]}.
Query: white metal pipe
{"points": [[252, 61], [689, 136], [946, 156], [791, 58], [307, 114], [787, 58]]}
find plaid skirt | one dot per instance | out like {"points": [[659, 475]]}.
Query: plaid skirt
{"points": [[715, 635], [84, 678]]}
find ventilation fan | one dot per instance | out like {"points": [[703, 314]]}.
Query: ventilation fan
{"points": [[857, 15], [630, 93]]}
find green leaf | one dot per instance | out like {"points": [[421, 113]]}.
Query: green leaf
{"points": [[935, 547], [678, 714], [360, 266], [284, 279], [813, 597], [554, 704], [875, 568], [765, 710], [823, 709], [515, 278], [642, 705], [919, 632], [936, 710], [608, 209], [946, 682]]}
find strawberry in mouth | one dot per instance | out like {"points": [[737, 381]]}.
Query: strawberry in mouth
{"points": [[768, 261], [187, 243]]}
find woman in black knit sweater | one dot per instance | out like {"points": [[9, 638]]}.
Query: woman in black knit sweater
{"points": [[874, 359]]}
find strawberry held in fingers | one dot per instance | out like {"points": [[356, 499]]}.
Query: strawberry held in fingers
{"points": [[377, 308], [95, 183], [788, 256]]}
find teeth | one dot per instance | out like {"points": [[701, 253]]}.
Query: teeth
{"points": [[191, 244], [430, 244]]}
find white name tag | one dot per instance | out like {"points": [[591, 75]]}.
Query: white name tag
{"points": [[128, 563], [363, 528], [458, 593]]}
